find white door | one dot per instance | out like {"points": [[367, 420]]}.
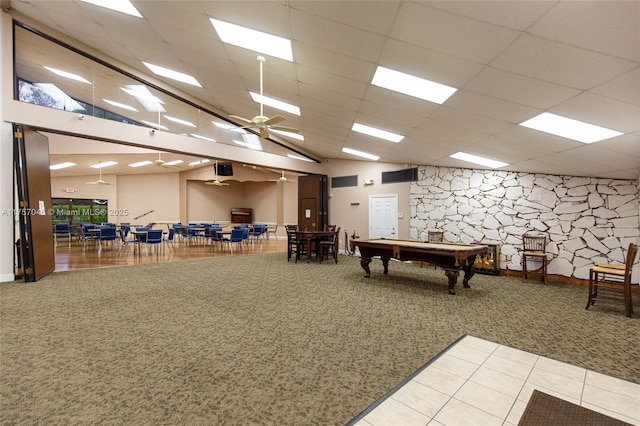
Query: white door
{"points": [[383, 216]]}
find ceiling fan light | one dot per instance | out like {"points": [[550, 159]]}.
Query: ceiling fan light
{"points": [[257, 41]]}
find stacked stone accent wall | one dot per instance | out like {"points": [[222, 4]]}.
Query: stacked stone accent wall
{"points": [[586, 219]]}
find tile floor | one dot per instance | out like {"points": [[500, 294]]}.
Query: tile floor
{"points": [[478, 382]]}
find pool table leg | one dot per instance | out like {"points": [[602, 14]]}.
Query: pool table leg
{"points": [[452, 274], [469, 271], [364, 262]]}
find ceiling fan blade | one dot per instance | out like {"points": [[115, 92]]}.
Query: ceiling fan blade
{"points": [[274, 120], [285, 129], [264, 133], [237, 117]]}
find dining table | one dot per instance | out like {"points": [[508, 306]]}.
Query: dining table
{"points": [[312, 238]]}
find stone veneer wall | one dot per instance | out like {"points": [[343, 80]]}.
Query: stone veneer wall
{"points": [[586, 219]]}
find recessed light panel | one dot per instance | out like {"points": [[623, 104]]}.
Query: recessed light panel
{"points": [[204, 138], [282, 106], [372, 131], [296, 136], [119, 105], [68, 75], [104, 164], [141, 163], [122, 6], [493, 164], [174, 75], [569, 128], [411, 85], [150, 102], [254, 40], [61, 165], [360, 154], [180, 121]]}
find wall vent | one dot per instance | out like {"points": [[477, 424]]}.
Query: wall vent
{"points": [[405, 175], [344, 181]]}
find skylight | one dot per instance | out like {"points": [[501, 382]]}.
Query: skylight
{"points": [[104, 164], [141, 163], [282, 106], [174, 75], [67, 74], [372, 131], [119, 105], [478, 160], [180, 121], [412, 85], [254, 40], [122, 6], [569, 128], [360, 154], [61, 165]]}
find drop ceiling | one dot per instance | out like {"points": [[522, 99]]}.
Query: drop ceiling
{"points": [[509, 61]]}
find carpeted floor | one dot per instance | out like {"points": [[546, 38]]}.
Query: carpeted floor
{"points": [[255, 339]]}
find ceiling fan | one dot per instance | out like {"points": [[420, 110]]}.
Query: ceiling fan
{"points": [[161, 163], [261, 122], [99, 181], [216, 181], [282, 179]]}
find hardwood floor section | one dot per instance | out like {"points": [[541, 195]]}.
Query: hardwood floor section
{"points": [[78, 257]]}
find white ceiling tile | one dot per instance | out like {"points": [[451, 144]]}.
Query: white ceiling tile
{"points": [[560, 63], [519, 89], [594, 25], [601, 111], [336, 37], [452, 34], [518, 15]]}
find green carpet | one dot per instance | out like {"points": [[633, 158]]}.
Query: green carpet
{"points": [[254, 339]]}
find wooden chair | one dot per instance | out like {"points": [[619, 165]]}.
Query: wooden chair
{"points": [[330, 246], [614, 278], [435, 236], [534, 247], [295, 246]]}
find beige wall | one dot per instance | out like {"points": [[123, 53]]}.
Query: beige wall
{"points": [[271, 202]]}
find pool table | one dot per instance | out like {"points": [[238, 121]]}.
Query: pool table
{"points": [[449, 256]]}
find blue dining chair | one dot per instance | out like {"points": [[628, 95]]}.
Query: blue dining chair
{"points": [[154, 238]]}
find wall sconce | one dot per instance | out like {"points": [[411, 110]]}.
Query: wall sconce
{"points": [[368, 181]]}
